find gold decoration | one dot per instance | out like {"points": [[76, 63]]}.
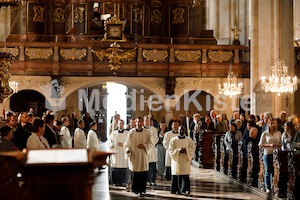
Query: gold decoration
{"points": [[59, 15], [114, 56], [155, 17], [73, 54], [38, 53], [138, 15], [13, 51], [236, 30], [59, 1], [12, 3], [114, 29], [178, 16], [155, 55], [183, 55], [38, 14], [220, 55], [78, 14], [5, 64]]}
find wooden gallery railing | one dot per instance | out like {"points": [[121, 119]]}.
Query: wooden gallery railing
{"points": [[286, 175]]}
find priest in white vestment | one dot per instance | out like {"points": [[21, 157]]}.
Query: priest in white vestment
{"points": [[166, 142], [119, 163], [79, 136], [181, 149], [152, 156], [65, 135], [92, 138], [138, 144]]}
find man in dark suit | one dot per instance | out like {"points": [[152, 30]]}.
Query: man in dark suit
{"points": [[187, 121], [22, 132], [50, 133]]}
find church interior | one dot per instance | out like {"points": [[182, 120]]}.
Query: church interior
{"points": [[157, 58]]}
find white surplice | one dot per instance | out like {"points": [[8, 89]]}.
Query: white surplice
{"points": [[166, 142], [92, 140], [181, 162], [138, 158], [118, 159], [79, 138], [154, 140], [66, 140]]}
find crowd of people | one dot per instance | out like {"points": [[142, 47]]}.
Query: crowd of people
{"points": [[145, 149]]}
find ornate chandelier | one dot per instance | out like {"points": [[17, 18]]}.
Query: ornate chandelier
{"points": [[279, 82], [231, 87]]}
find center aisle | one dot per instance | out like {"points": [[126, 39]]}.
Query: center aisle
{"points": [[204, 185]]}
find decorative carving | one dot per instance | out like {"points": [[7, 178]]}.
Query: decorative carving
{"points": [[229, 163], [5, 64], [155, 17], [38, 14], [115, 56], [138, 15], [222, 154], [276, 172], [240, 161], [13, 51], [220, 55], [155, 55], [183, 55], [114, 29], [38, 53], [59, 15], [263, 101], [292, 176], [59, 1], [261, 184], [250, 164], [79, 14], [73, 54], [178, 16], [215, 152], [236, 30]]}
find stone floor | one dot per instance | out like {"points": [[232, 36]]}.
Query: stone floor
{"points": [[205, 184]]}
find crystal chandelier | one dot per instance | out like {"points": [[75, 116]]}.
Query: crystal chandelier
{"points": [[279, 82], [231, 87]]}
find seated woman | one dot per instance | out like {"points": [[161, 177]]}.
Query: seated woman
{"points": [[5, 140], [269, 139]]}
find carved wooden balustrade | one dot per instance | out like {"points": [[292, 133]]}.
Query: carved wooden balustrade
{"points": [[88, 58], [286, 167]]}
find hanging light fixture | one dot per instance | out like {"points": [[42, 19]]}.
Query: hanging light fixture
{"points": [[231, 87], [279, 81]]}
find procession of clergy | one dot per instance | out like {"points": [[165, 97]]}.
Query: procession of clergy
{"points": [[140, 149]]}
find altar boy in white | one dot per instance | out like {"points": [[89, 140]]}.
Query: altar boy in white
{"points": [[181, 150], [119, 163]]}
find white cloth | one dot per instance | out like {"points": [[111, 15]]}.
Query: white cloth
{"points": [[166, 142], [79, 138], [228, 138], [267, 138], [154, 140], [118, 159], [181, 162], [187, 120], [36, 142], [66, 139], [138, 158], [92, 140]]}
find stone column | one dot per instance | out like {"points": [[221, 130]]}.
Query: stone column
{"points": [[271, 38]]}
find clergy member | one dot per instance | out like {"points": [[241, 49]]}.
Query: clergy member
{"points": [[119, 163], [181, 150], [138, 144], [166, 142]]}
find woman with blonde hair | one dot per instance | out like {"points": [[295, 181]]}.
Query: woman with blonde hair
{"points": [[269, 139]]}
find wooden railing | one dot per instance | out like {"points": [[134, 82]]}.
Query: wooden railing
{"points": [[286, 167]]}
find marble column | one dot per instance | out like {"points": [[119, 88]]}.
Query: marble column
{"points": [[271, 38]]}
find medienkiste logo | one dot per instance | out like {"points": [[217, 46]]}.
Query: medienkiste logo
{"points": [[53, 93]]}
